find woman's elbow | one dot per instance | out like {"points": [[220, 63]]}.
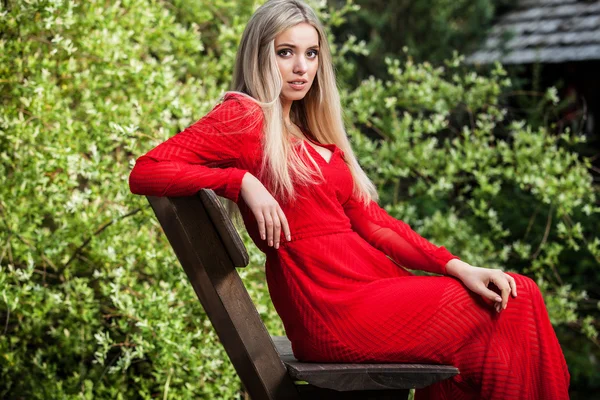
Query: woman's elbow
{"points": [[141, 179], [135, 183]]}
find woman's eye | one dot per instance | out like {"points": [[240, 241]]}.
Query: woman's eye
{"points": [[287, 52]]}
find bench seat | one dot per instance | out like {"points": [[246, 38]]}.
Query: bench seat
{"points": [[359, 376]]}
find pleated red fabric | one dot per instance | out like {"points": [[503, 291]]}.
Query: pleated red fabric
{"points": [[341, 286]]}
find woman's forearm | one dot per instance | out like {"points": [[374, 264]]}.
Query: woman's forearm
{"points": [[456, 267]]}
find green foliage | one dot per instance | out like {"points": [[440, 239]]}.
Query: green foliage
{"points": [[93, 301]]}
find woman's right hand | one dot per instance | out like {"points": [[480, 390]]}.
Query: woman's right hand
{"points": [[266, 209]]}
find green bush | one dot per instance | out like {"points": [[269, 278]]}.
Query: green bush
{"points": [[94, 302]]}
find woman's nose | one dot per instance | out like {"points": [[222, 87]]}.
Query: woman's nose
{"points": [[300, 65]]}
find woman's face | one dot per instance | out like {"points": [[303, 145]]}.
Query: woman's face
{"points": [[297, 54]]}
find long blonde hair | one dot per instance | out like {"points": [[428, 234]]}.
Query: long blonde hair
{"points": [[256, 74]]}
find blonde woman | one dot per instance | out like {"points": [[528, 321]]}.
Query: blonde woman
{"points": [[276, 146]]}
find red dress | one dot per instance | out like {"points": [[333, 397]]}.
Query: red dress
{"points": [[340, 297]]}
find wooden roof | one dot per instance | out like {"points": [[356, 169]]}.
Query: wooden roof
{"points": [[548, 31]]}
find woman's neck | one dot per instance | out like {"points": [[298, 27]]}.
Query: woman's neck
{"points": [[286, 106], [291, 127]]}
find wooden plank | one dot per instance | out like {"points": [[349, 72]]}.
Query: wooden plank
{"points": [[361, 376], [209, 268], [222, 223]]}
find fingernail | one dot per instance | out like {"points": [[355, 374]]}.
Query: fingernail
{"points": [[262, 237], [270, 243], [505, 306], [289, 238], [498, 299]]}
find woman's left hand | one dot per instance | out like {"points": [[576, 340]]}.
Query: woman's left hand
{"points": [[478, 279]]}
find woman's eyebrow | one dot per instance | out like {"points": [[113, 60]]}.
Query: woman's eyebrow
{"points": [[294, 46]]}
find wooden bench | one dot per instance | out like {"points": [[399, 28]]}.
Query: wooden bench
{"points": [[210, 249]]}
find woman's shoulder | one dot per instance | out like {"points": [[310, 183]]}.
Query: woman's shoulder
{"points": [[238, 113], [241, 102]]}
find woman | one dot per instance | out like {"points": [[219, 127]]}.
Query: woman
{"points": [[277, 147]]}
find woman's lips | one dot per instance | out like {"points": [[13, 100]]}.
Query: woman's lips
{"points": [[297, 86]]}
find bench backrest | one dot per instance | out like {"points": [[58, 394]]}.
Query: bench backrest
{"points": [[209, 249]]}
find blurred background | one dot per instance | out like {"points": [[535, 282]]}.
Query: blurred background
{"points": [[478, 121]]}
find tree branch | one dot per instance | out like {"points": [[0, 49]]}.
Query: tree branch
{"points": [[98, 231]]}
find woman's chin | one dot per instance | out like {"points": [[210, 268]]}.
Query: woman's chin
{"points": [[292, 96]]}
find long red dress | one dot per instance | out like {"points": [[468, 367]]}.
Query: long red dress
{"points": [[339, 295]]}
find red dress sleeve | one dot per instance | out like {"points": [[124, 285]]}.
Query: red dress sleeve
{"points": [[203, 155], [396, 238]]}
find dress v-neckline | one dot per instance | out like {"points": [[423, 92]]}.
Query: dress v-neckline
{"points": [[331, 147]]}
